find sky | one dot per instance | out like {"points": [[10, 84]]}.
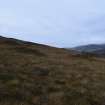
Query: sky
{"points": [[60, 23]]}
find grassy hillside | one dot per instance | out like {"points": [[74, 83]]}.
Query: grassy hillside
{"points": [[34, 74]]}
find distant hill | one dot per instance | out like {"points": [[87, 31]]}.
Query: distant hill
{"points": [[35, 74], [98, 49]]}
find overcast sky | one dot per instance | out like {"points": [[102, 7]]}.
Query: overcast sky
{"points": [[62, 23]]}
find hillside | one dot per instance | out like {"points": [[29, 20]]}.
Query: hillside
{"points": [[98, 49], [35, 74]]}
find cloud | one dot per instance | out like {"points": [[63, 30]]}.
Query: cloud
{"points": [[56, 22]]}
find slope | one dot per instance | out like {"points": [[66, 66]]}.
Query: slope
{"points": [[98, 49], [35, 74]]}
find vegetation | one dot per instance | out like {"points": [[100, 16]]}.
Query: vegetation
{"points": [[33, 74]]}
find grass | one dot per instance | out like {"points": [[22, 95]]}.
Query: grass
{"points": [[33, 74]]}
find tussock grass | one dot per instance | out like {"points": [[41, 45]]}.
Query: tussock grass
{"points": [[33, 74]]}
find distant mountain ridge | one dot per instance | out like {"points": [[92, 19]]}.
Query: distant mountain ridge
{"points": [[98, 49]]}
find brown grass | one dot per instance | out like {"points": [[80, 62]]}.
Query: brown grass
{"points": [[32, 74]]}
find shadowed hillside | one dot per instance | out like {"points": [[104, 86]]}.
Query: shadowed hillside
{"points": [[35, 74], [98, 49]]}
